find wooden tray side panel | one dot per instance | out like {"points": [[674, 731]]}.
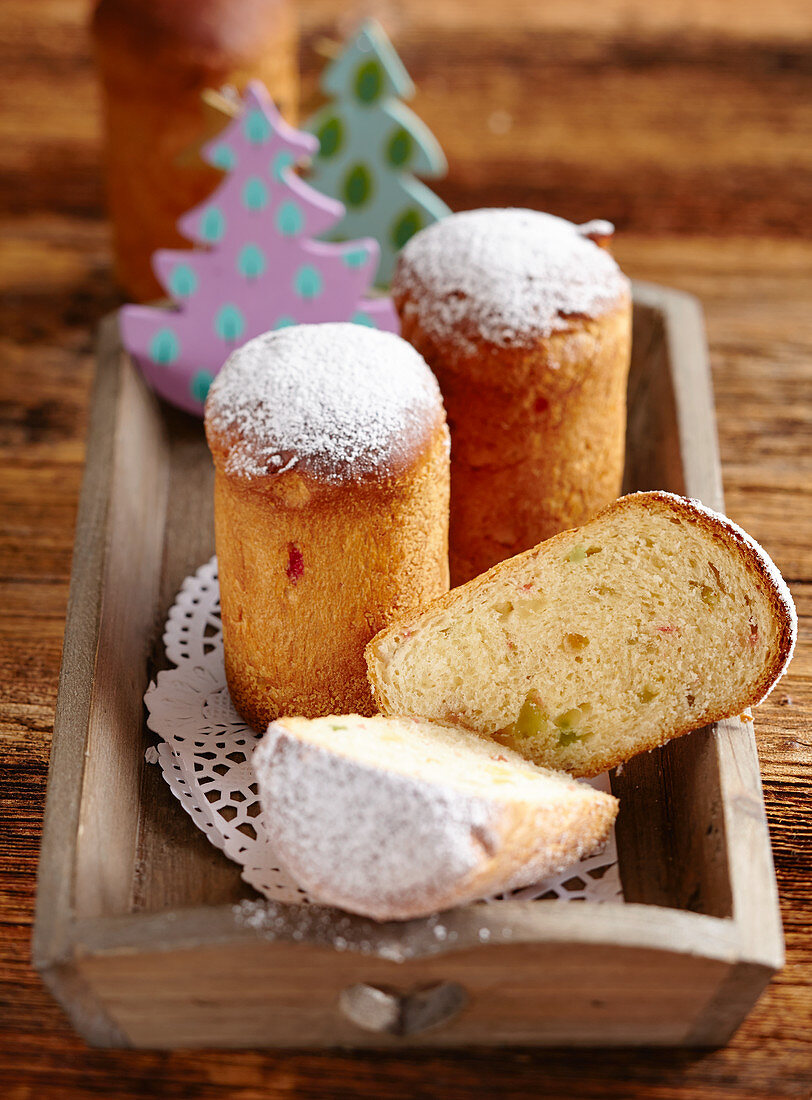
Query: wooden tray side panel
{"points": [[670, 830], [176, 865], [653, 459], [288, 996], [130, 617], [55, 875]]}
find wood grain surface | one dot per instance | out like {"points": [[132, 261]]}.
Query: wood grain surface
{"points": [[689, 125]]}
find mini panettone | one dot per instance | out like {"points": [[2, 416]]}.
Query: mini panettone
{"points": [[526, 322], [331, 510]]}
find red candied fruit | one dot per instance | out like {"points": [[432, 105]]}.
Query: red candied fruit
{"points": [[295, 569]]}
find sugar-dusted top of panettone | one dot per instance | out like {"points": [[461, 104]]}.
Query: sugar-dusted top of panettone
{"points": [[338, 401], [506, 277]]}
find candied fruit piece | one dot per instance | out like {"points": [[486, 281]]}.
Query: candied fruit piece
{"points": [[532, 719], [569, 719], [577, 554], [295, 567], [710, 596], [570, 725], [647, 694]]}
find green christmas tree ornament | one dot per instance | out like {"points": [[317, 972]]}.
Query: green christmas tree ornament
{"points": [[372, 146]]}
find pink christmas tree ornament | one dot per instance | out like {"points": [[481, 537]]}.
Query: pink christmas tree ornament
{"points": [[259, 266]]}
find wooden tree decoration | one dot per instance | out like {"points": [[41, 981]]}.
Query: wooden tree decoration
{"points": [[259, 267], [370, 144]]}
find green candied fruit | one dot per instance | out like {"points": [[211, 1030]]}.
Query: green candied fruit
{"points": [[569, 719], [565, 739], [647, 694], [531, 722], [333, 727], [532, 719], [580, 553], [570, 725]]}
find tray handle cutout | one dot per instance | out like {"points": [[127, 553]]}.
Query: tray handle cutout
{"points": [[383, 1009]]}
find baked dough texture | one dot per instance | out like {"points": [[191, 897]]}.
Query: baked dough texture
{"points": [[331, 510], [526, 322], [395, 819], [657, 617]]}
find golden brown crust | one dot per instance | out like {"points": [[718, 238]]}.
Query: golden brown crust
{"points": [[717, 527], [537, 432], [309, 572]]}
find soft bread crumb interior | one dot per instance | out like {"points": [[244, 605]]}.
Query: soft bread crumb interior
{"points": [[599, 641], [432, 753]]}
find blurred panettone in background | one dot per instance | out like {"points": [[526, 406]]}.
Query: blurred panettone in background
{"points": [[155, 59]]}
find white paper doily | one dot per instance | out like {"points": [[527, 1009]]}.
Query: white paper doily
{"points": [[206, 748]]}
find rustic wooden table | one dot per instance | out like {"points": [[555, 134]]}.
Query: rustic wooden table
{"points": [[689, 126]]}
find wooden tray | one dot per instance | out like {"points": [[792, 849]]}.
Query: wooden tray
{"points": [[137, 932]]}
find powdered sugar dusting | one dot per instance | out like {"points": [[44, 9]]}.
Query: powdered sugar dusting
{"points": [[349, 834], [507, 277], [339, 400], [780, 587]]}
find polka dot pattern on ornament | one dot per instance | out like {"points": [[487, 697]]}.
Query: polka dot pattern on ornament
{"points": [[255, 194], [405, 227], [308, 282], [358, 186], [251, 261], [264, 257], [164, 348], [372, 146], [212, 225], [331, 137], [399, 148], [199, 386], [289, 218], [356, 257], [229, 323], [369, 80], [223, 156], [257, 127], [280, 165], [183, 281]]}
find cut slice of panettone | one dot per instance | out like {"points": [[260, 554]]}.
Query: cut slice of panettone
{"points": [[657, 617]]}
